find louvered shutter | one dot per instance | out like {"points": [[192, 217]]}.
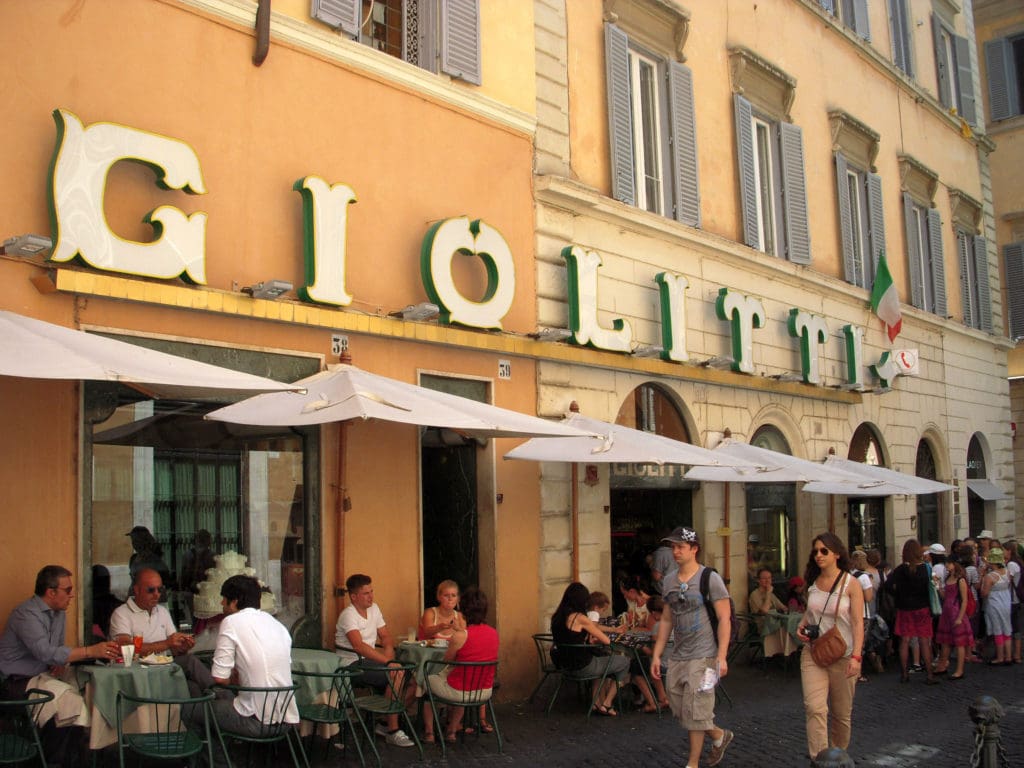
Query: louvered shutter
{"points": [[965, 257], [684, 145], [984, 291], [876, 221], [794, 192], [938, 275], [899, 30], [861, 24], [744, 115], [828, 5], [965, 79], [851, 261], [1013, 258], [460, 39], [340, 14], [1003, 98], [942, 72], [913, 253], [620, 114]]}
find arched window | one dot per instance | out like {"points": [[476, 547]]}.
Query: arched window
{"points": [[976, 470], [927, 504], [866, 514]]}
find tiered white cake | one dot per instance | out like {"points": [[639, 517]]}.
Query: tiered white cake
{"points": [[207, 603]]}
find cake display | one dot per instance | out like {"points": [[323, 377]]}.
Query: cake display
{"points": [[207, 603]]}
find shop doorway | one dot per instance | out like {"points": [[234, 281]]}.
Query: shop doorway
{"points": [[928, 524], [646, 501], [865, 515], [456, 526], [976, 470], [771, 519]]}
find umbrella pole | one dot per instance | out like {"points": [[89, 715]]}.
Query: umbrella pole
{"points": [[340, 506], [831, 513], [575, 511], [728, 539]]}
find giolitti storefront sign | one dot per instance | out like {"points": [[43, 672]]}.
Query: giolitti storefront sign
{"points": [[84, 156]]}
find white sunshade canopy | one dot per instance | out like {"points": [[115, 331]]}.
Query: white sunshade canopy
{"points": [[344, 392], [876, 481], [985, 489], [620, 445], [35, 349], [764, 466]]}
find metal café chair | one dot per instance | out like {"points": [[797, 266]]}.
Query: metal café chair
{"points": [[275, 703], [391, 701], [335, 710], [479, 679], [169, 736], [581, 677], [19, 739], [543, 643]]}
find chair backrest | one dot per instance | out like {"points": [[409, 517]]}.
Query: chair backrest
{"points": [[19, 740], [544, 643], [338, 683], [469, 682], [166, 724], [272, 704]]}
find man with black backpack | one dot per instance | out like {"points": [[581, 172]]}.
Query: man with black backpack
{"points": [[698, 656]]}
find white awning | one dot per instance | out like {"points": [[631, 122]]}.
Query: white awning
{"points": [[876, 481], [35, 349], [764, 466], [619, 445], [986, 490]]}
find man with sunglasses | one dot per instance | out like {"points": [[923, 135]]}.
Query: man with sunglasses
{"points": [[145, 617], [34, 654]]}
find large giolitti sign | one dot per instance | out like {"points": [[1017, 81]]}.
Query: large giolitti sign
{"points": [[84, 156]]}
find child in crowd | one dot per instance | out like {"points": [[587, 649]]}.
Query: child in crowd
{"points": [[597, 606], [655, 605]]}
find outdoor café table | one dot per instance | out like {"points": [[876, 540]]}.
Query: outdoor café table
{"points": [[783, 627], [632, 644], [314, 690], [102, 684], [419, 653]]}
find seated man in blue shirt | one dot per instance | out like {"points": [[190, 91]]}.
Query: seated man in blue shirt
{"points": [[33, 654]]}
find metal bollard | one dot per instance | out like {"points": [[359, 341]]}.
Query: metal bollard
{"points": [[986, 712], [832, 757]]}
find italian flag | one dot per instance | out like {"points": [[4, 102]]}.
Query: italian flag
{"points": [[885, 302]]}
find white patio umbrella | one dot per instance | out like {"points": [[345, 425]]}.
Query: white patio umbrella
{"points": [[763, 465], [35, 349], [875, 481], [621, 445], [344, 392]]}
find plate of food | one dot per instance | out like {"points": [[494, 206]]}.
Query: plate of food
{"points": [[155, 659]]}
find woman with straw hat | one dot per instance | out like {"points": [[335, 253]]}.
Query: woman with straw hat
{"points": [[995, 588]]}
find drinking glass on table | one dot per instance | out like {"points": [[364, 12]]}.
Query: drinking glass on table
{"points": [[137, 642]]}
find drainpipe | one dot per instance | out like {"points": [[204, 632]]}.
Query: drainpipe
{"points": [[574, 506], [342, 505], [727, 544]]}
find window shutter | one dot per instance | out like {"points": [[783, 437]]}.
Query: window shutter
{"points": [[794, 192], [745, 157], [965, 80], [340, 14], [684, 144], [1013, 257], [876, 221], [620, 120], [984, 292], [913, 253], [828, 5], [860, 19], [851, 260], [964, 256], [460, 39], [1003, 99], [900, 34], [942, 72], [938, 275]]}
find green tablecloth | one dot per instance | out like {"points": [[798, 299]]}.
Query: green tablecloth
{"points": [[774, 621], [312, 660], [165, 681], [419, 655]]}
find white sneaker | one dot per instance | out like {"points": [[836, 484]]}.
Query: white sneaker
{"points": [[399, 739]]}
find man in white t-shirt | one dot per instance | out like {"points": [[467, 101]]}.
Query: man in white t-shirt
{"points": [[359, 629], [253, 649], [143, 616]]}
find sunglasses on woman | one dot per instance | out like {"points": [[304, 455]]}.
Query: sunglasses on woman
{"points": [[819, 551]]}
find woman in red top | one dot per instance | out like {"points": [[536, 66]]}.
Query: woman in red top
{"points": [[477, 642]]}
